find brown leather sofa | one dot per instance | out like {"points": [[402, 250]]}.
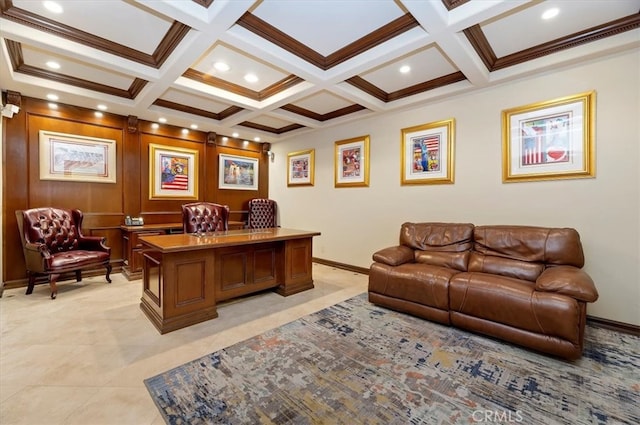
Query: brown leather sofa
{"points": [[522, 284]]}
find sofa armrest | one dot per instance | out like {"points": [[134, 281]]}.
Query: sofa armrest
{"points": [[93, 243], [568, 280], [394, 255]]}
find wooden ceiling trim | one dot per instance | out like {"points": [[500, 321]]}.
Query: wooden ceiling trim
{"points": [[452, 4], [368, 88], [285, 83], [481, 45], [205, 3], [371, 40], [302, 111], [279, 38], [15, 54], [573, 40], [343, 111], [221, 84], [427, 85], [188, 109], [168, 44], [479, 42], [322, 117], [273, 130], [230, 111]]}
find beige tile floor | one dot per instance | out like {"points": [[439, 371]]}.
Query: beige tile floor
{"points": [[82, 358]]}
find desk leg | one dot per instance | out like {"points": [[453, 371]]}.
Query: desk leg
{"points": [[297, 267]]}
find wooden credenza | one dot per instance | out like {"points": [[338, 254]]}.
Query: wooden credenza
{"points": [[185, 275], [132, 247]]}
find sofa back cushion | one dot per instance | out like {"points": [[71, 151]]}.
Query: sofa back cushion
{"points": [[439, 244], [54, 227], [524, 251]]}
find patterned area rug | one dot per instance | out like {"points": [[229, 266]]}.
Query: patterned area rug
{"points": [[355, 363]]}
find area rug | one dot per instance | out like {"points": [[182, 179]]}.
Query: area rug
{"points": [[356, 363]]}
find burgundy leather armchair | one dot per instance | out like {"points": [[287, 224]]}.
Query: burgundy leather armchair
{"points": [[204, 217], [262, 213], [53, 244]]}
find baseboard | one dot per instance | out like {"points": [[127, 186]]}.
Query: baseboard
{"points": [[342, 266], [613, 325], [594, 321]]}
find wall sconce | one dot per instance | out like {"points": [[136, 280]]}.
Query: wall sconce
{"points": [[8, 110], [271, 155]]}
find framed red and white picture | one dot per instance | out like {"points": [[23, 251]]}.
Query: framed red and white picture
{"points": [[173, 173]]}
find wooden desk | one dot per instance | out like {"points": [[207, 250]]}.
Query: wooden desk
{"points": [[132, 247], [185, 275]]}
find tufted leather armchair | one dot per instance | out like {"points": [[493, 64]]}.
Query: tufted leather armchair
{"points": [[53, 243], [262, 213], [204, 217]]}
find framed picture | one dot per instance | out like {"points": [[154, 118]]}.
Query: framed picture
{"points": [[549, 140], [173, 173], [300, 168], [352, 162], [427, 153], [237, 172], [70, 157]]}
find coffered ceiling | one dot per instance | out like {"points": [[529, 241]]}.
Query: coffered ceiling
{"points": [[316, 63]]}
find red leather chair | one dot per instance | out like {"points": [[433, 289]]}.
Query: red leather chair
{"points": [[53, 243], [204, 217], [262, 213]]}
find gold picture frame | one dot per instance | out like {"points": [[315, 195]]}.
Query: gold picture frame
{"points": [[427, 155], [300, 168], [173, 172], [351, 162], [70, 157], [549, 140]]}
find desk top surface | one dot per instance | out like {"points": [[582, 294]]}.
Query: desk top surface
{"points": [[188, 242]]}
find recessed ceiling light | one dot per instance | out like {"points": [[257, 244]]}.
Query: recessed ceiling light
{"points": [[225, 138], [53, 105], [98, 114], [162, 120], [404, 69], [53, 65], [550, 13], [155, 125], [102, 107], [235, 134], [52, 96], [194, 126], [221, 66], [52, 6], [256, 139], [250, 78], [185, 131]]}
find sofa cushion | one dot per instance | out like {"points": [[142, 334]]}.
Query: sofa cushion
{"points": [[505, 267], [439, 244], [556, 246], [516, 303], [421, 283]]}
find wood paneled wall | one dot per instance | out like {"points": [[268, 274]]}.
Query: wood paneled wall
{"points": [[106, 204]]}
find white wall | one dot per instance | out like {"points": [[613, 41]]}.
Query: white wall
{"points": [[605, 210]]}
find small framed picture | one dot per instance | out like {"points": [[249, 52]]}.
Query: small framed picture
{"points": [[427, 153], [300, 168], [237, 172], [173, 173], [351, 163], [549, 140]]}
